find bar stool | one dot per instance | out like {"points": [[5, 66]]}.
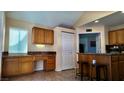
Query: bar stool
{"points": [[77, 71], [82, 64], [98, 68]]}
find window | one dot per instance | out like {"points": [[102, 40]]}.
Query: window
{"points": [[18, 40]]}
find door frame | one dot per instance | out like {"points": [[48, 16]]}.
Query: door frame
{"points": [[98, 50], [74, 52]]}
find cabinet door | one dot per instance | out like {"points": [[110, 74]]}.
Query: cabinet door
{"points": [[120, 38], [38, 35], [82, 57], [112, 37], [115, 71], [35, 32], [49, 37], [50, 63], [121, 70], [49, 66], [10, 66], [26, 65], [41, 36]]}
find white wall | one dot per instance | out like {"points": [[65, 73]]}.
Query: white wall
{"points": [[95, 29], [27, 26], [58, 45], [31, 47], [2, 30], [116, 27]]}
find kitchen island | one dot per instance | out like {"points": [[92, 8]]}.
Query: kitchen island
{"points": [[114, 62]]}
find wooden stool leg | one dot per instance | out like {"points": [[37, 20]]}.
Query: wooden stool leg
{"points": [[97, 73], [81, 72], [106, 74], [91, 73]]}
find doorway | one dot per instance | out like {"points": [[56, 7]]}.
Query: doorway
{"points": [[89, 43], [68, 51]]}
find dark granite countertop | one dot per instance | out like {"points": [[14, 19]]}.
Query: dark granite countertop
{"points": [[15, 55], [31, 53], [109, 54]]}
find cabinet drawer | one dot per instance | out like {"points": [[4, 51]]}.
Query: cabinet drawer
{"points": [[38, 58], [51, 57], [114, 58], [121, 57], [11, 59], [50, 66], [25, 59], [50, 60]]}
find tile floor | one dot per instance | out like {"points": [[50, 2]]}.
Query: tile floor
{"points": [[67, 75]]}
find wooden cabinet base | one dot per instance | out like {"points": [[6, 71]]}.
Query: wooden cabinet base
{"points": [[10, 68], [17, 65], [13, 65], [49, 67]]}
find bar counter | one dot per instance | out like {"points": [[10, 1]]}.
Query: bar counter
{"points": [[115, 63]]}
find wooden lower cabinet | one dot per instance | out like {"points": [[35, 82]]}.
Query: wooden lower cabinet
{"points": [[114, 62], [114, 71], [49, 64], [121, 70], [10, 67], [26, 65], [17, 65]]}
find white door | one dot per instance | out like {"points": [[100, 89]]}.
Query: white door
{"points": [[68, 51]]}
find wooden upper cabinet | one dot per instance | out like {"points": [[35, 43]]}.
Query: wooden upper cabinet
{"points": [[116, 37], [42, 36], [112, 37], [49, 39], [38, 36], [120, 34]]}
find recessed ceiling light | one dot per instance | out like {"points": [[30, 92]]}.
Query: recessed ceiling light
{"points": [[96, 21]]}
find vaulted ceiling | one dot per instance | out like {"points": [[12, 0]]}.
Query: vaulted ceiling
{"points": [[47, 18], [114, 19], [59, 18]]}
